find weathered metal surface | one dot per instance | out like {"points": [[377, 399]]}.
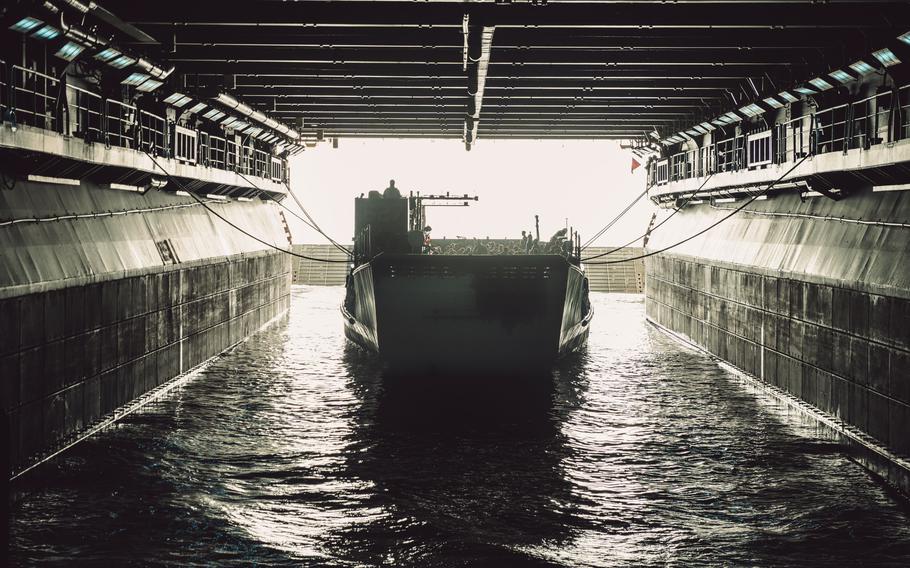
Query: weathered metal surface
{"points": [[871, 257], [54, 251]]}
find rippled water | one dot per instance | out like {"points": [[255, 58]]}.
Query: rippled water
{"points": [[293, 450]]}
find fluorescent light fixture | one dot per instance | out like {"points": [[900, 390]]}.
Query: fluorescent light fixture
{"points": [[182, 193], [216, 196], [244, 199], [135, 79], [107, 54], [229, 121], [905, 37], [178, 100], [126, 187], [886, 57], [693, 132], [56, 180], [719, 122], [213, 114], [26, 25], [696, 201], [893, 187], [811, 194], [842, 76], [804, 91], [122, 62], [197, 107], [724, 200], [149, 85], [752, 110], [773, 103], [732, 117], [699, 129], [862, 67], [708, 126], [69, 51], [787, 96], [47, 32], [761, 198], [820, 84]]}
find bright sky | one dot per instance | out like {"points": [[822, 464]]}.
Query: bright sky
{"points": [[587, 181]]}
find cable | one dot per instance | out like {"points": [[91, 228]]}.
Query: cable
{"points": [[615, 219], [242, 230], [311, 223], [712, 225], [95, 215], [654, 228], [310, 217]]}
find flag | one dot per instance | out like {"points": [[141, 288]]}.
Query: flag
{"points": [[635, 164]]}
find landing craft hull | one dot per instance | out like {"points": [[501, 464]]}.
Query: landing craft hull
{"points": [[453, 314]]}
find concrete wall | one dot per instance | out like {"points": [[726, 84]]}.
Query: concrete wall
{"points": [[93, 315], [73, 355], [835, 334]]}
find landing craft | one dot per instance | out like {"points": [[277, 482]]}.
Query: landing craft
{"points": [[424, 310]]}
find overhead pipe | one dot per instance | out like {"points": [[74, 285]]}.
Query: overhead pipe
{"points": [[260, 117], [92, 41]]}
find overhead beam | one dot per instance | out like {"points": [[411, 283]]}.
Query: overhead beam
{"points": [[614, 15]]}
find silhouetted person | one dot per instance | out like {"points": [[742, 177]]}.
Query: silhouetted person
{"points": [[391, 192]]}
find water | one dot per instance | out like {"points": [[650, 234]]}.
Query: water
{"points": [[293, 450]]}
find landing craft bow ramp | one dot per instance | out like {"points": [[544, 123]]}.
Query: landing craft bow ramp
{"points": [[545, 69]]}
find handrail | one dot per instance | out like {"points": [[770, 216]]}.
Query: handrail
{"points": [[36, 100], [858, 124]]}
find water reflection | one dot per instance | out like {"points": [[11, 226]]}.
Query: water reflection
{"points": [[471, 468], [296, 450]]}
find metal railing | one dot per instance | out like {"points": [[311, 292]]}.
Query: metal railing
{"points": [[884, 117], [38, 100]]}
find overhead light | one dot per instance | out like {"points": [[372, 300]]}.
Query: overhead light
{"points": [[232, 103], [719, 122], [51, 179], [698, 128], [149, 85], [804, 91], [905, 37], [842, 76], [196, 108], [732, 117], [135, 79], [820, 84], [69, 51], [47, 32], [708, 126], [122, 62], [862, 67], [128, 187], [107, 54], [773, 103], [693, 132], [216, 196], [787, 96], [213, 114], [26, 25], [752, 110], [178, 100], [886, 57]]}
